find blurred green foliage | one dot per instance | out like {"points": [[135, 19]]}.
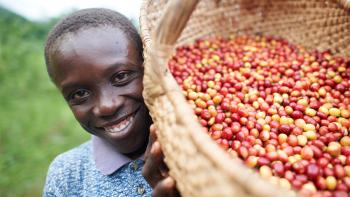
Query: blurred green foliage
{"points": [[35, 122]]}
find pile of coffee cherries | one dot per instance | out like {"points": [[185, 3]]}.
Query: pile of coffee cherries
{"points": [[282, 109]]}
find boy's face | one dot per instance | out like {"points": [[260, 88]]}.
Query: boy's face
{"points": [[99, 72]]}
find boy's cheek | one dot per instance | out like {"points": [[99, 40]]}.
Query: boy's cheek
{"points": [[80, 115], [137, 88]]}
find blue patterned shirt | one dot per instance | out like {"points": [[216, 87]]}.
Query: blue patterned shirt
{"points": [[88, 170]]}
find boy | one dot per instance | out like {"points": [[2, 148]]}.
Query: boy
{"points": [[94, 57]]}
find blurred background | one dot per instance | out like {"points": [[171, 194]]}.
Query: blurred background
{"points": [[35, 123]]}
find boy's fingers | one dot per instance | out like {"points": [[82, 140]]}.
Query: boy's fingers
{"points": [[166, 187], [151, 140], [152, 133], [154, 169], [151, 169], [152, 127], [163, 168]]}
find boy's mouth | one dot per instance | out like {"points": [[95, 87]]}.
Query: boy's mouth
{"points": [[121, 125]]}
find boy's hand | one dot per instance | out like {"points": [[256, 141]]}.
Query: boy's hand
{"points": [[155, 170]]}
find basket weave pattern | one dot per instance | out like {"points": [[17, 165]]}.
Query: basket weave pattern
{"points": [[199, 166]]}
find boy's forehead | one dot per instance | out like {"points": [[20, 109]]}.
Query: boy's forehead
{"points": [[97, 34], [96, 40], [98, 46]]}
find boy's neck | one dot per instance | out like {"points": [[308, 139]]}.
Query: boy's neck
{"points": [[137, 154]]}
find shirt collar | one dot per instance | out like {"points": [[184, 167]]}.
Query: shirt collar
{"points": [[106, 158]]}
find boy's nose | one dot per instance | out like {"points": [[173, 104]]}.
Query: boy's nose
{"points": [[107, 105]]}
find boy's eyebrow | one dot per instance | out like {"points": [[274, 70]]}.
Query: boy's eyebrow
{"points": [[121, 65], [67, 86]]}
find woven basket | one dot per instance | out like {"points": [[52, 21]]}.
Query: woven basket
{"points": [[200, 167]]}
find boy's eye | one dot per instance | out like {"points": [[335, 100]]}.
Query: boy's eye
{"points": [[122, 78], [79, 96]]}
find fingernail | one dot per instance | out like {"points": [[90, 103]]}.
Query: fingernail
{"points": [[152, 128], [155, 147], [169, 181]]}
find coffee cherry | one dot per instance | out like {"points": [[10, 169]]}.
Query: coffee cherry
{"points": [[265, 171], [302, 140], [321, 183], [312, 171], [307, 153], [345, 141], [331, 182], [333, 149], [339, 171]]}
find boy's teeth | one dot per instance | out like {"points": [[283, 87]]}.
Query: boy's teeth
{"points": [[120, 126]]}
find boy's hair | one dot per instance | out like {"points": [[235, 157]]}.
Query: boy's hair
{"points": [[87, 18]]}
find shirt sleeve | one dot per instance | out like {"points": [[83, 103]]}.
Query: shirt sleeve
{"points": [[55, 180]]}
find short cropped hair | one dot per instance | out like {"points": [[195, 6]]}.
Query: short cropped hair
{"points": [[87, 18]]}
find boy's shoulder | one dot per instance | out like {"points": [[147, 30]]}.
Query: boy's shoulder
{"points": [[66, 171], [74, 173], [70, 158]]}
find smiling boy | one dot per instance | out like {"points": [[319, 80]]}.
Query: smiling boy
{"points": [[94, 57]]}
